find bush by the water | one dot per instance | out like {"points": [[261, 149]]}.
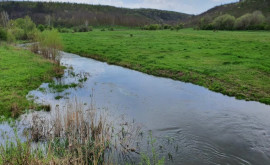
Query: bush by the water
{"points": [[48, 44]]}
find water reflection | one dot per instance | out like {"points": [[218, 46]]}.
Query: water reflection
{"points": [[203, 127]]}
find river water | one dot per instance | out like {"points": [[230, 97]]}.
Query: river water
{"points": [[205, 127]]}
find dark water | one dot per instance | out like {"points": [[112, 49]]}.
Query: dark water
{"points": [[206, 127]]}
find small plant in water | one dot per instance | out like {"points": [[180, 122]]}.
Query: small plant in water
{"points": [[151, 159]]}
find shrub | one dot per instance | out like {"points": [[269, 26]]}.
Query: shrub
{"points": [[152, 27], [166, 26], [85, 28], [224, 22], [19, 33], [111, 29], [3, 34], [180, 26], [267, 27], [82, 28], [64, 30], [41, 27]]}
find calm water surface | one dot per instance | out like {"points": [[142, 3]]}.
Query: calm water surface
{"points": [[206, 127]]}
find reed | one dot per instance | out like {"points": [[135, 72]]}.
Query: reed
{"points": [[76, 134]]}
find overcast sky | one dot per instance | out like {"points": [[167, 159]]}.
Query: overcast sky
{"points": [[185, 6]]}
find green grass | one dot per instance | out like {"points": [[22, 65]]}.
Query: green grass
{"points": [[20, 72], [231, 62]]}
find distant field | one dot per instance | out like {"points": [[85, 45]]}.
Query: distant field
{"points": [[20, 72], [233, 63]]}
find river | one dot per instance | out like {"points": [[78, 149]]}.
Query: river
{"points": [[207, 127]]}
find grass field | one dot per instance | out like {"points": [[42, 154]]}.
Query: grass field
{"points": [[231, 62], [20, 72]]}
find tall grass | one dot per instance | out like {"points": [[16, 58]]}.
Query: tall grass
{"points": [[48, 44], [76, 134]]}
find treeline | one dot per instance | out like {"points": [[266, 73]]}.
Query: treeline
{"points": [[163, 27], [72, 14], [249, 21]]}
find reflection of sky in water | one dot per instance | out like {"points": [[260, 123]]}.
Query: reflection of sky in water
{"points": [[208, 127]]}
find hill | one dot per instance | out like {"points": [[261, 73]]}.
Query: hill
{"points": [[70, 14]]}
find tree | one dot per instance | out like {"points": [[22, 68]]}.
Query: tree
{"points": [[22, 28], [257, 18], [250, 21], [48, 20], [205, 23], [5, 18], [224, 22], [243, 22]]}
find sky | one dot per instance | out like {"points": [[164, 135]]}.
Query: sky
{"points": [[184, 6]]}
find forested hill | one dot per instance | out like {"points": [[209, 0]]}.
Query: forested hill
{"points": [[236, 9], [69, 14]]}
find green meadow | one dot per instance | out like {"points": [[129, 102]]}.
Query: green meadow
{"points": [[235, 63], [21, 71]]}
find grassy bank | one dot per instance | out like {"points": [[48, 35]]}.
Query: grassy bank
{"points": [[21, 72], [231, 62]]}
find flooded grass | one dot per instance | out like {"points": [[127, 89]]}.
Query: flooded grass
{"points": [[21, 72], [231, 62], [61, 87]]}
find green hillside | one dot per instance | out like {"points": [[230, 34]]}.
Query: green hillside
{"points": [[70, 14]]}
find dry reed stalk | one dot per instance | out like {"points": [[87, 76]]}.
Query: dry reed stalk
{"points": [[84, 134]]}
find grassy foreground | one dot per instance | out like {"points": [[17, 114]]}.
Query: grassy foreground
{"points": [[20, 72], [231, 62]]}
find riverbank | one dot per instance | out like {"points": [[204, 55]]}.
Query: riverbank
{"points": [[21, 72], [233, 63]]}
